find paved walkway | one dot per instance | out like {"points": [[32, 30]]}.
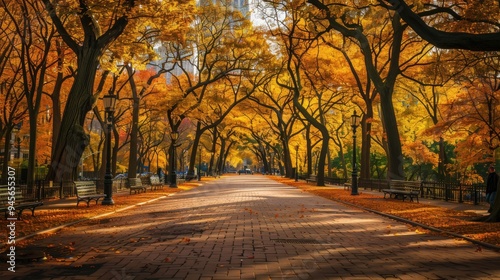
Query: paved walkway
{"points": [[250, 227]]}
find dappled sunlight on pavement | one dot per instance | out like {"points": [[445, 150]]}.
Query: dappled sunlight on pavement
{"points": [[250, 227]]}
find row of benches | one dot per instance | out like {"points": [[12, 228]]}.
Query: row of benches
{"points": [[87, 190], [13, 202]]}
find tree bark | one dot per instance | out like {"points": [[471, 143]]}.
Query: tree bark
{"points": [[194, 150], [71, 138], [366, 141], [134, 129], [320, 176]]}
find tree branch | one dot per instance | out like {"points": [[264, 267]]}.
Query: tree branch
{"points": [[60, 27], [443, 39]]}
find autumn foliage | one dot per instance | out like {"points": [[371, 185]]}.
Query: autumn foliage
{"points": [[444, 219]]}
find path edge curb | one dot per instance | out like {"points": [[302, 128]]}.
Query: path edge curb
{"points": [[474, 241]]}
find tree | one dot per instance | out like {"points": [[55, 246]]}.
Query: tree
{"points": [[12, 96], [219, 66], [275, 108], [299, 44], [383, 58], [32, 44], [89, 43]]}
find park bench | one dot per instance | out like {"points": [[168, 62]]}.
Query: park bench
{"points": [[403, 189], [153, 182], [13, 201], [347, 186], [334, 181], [311, 178], [135, 185], [87, 191]]}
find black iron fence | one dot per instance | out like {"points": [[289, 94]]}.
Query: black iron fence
{"points": [[48, 190], [335, 181], [447, 191], [454, 192]]}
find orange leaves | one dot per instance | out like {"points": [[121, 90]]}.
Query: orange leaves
{"points": [[250, 211], [460, 222], [64, 213], [70, 246]]}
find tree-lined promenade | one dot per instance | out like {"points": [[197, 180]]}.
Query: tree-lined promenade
{"points": [[253, 227], [218, 86]]}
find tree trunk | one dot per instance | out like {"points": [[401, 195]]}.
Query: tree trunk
{"points": [[394, 152], [366, 141], [32, 151], [309, 150], [116, 148], [320, 176], [194, 150], [213, 150], [72, 139], [287, 160], [134, 130]]}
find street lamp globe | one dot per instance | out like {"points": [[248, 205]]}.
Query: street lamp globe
{"points": [[355, 120], [109, 101]]}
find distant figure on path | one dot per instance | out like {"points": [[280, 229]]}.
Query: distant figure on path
{"points": [[491, 187]]}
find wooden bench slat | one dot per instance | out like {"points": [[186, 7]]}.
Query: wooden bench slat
{"points": [[87, 191], [155, 183], [403, 189], [21, 203], [135, 185], [311, 178]]}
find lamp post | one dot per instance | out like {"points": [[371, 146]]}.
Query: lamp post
{"points": [[354, 125], [199, 164], [173, 177], [109, 106], [296, 163]]}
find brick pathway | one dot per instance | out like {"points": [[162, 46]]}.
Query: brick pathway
{"points": [[250, 227]]}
